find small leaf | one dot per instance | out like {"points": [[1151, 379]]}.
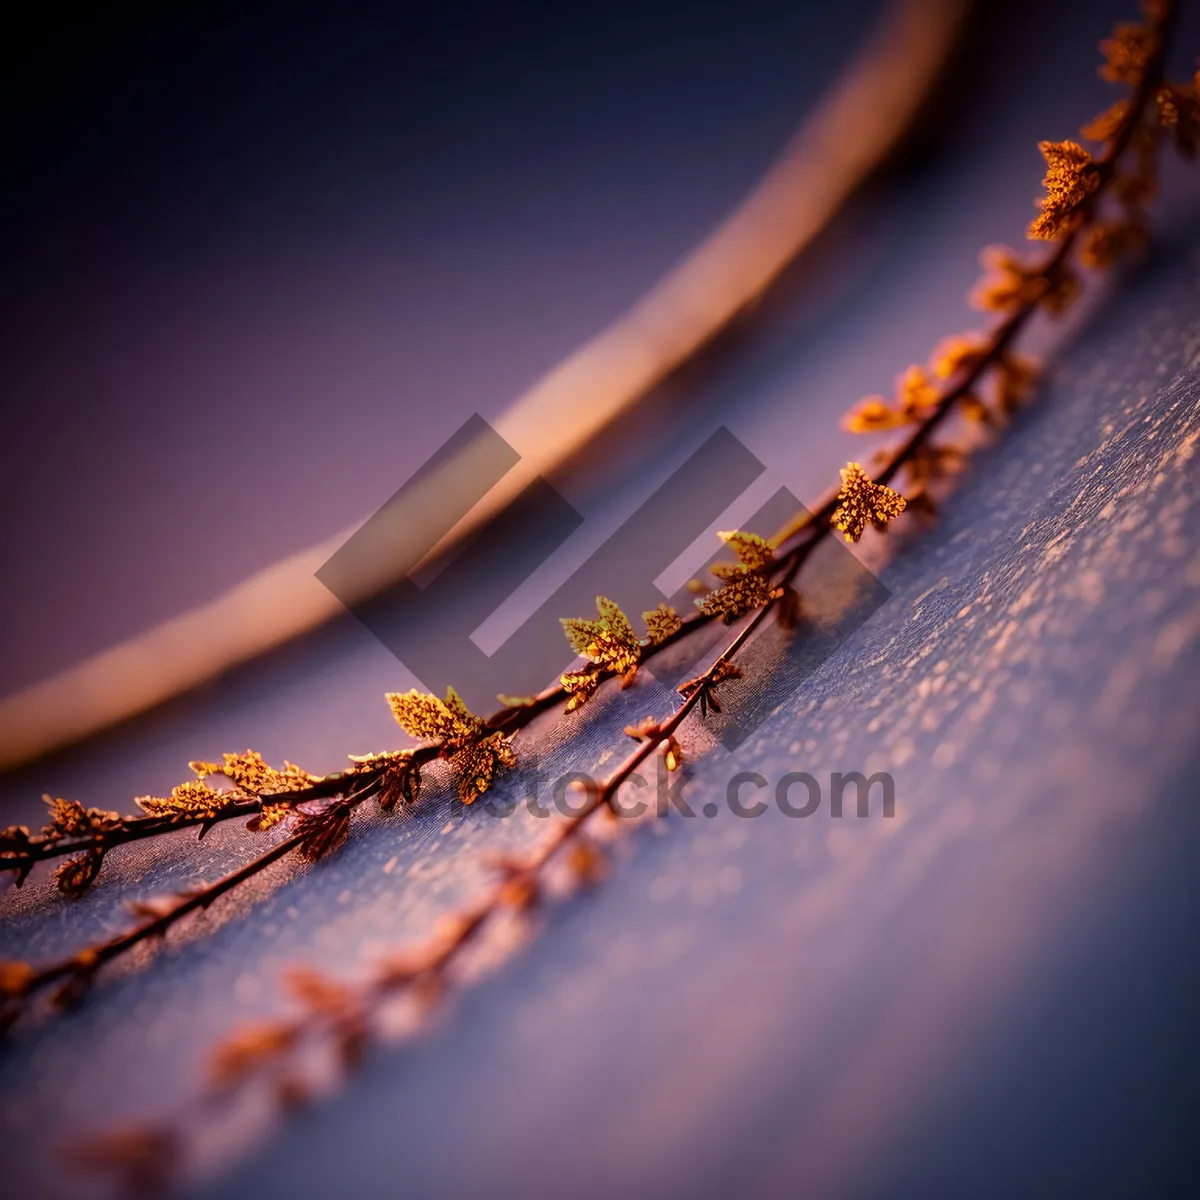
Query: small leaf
{"points": [[748, 584], [672, 755], [1071, 176], [862, 502], [872, 414], [191, 799], [68, 818], [661, 623], [76, 875], [248, 1049], [268, 817], [477, 763], [609, 642], [742, 594], [424, 716], [647, 727], [580, 686], [250, 773], [962, 352]]}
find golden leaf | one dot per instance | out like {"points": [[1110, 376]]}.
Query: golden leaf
{"points": [[1070, 177], [974, 409], [748, 584], [461, 713], [862, 501], [374, 762], [647, 727], [466, 742], [400, 782], [1179, 112], [743, 593], [193, 798], [915, 395], [472, 750], [581, 686], [521, 892], [609, 642], [872, 414], [753, 552], [672, 755], [424, 716], [661, 623], [1011, 285], [1125, 53], [67, 817], [961, 352], [515, 701], [251, 774], [399, 776], [268, 817]]}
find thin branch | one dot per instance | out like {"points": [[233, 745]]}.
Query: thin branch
{"points": [[315, 835]]}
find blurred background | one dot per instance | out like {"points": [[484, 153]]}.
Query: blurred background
{"points": [[258, 262]]}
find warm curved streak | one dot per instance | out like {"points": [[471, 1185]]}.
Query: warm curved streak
{"points": [[852, 130]]}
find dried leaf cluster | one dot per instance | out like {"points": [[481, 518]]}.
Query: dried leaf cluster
{"points": [[461, 736], [611, 646]]}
